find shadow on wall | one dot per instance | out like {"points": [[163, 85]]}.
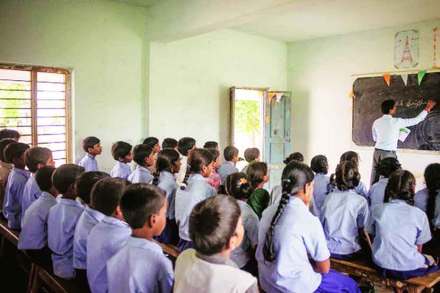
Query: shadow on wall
{"points": [[300, 122], [224, 115]]}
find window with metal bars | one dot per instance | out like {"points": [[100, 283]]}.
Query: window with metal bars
{"points": [[35, 101]]}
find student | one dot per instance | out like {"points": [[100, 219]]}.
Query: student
{"points": [[197, 190], [228, 167], [17, 179], [33, 235], [152, 142], [121, 152], [92, 146], [354, 158], [62, 220], [251, 155], [167, 165], [88, 219], [292, 252], [257, 175], [144, 157], [9, 133], [169, 143], [35, 158], [344, 214], [185, 146], [385, 168], [108, 236], [5, 167], [237, 186], [214, 179], [211, 145], [296, 156], [319, 166], [216, 230], [140, 265], [400, 230]]}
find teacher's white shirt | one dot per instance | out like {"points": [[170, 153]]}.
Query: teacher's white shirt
{"points": [[386, 130]]}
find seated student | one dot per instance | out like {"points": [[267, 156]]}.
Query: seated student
{"points": [[237, 186], [354, 158], [17, 179], [152, 142], [109, 235], [121, 152], [214, 179], [292, 252], [211, 145], [92, 146], [344, 214], [140, 265], [400, 230], [88, 219], [296, 156], [216, 230], [33, 235], [185, 147], [197, 190], [257, 175], [228, 167], [167, 165], [169, 143], [319, 166], [144, 157], [5, 167], [251, 155], [35, 158], [62, 220], [385, 168], [10, 134]]}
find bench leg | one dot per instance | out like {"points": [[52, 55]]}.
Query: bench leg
{"points": [[417, 289], [34, 279]]}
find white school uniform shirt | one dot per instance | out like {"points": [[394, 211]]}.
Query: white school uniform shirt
{"points": [[140, 266], [297, 236], [241, 255], [105, 239], [33, 233], [13, 194], [398, 227], [342, 214], [89, 218], [141, 175], [386, 130], [377, 192], [89, 163], [61, 227], [196, 275], [320, 190], [227, 168], [167, 182], [31, 192], [120, 170], [275, 195], [421, 201], [198, 189], [180, 177]]}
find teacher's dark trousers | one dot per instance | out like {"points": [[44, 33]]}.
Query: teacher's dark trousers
{"points": [[377, 156]]}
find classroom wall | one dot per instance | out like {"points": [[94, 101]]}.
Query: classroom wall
{"points": [[103, 42], [320, 76], [190, 81]]}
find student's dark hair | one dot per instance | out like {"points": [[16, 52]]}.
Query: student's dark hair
{"points": [[211, 145], [89, 142], [347, 176], [256, 172], [387, 166], [237, 185], [251, 154], [14, 150], [401, 185], [296, 156], [151, 141], [65, 176], [169, 143], [198, 159], [350, 156], [432, 180], [86, 181], [43, 177], [185, 144], [3, 143], [120, 149], [230, 152], [106, 194], [35, 156], [139, 202], [212, 223], [215, 154], [140, 152], [166, 159], [387, 106], [294, 179], [319, 164], [9, 133]]}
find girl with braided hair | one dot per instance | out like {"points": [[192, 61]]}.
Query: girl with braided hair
{"points": [[292, 252]]}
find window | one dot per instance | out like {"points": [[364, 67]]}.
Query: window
{"points": [[35, 101]]}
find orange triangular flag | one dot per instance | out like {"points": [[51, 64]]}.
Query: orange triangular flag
{"points": [[387, 78]]}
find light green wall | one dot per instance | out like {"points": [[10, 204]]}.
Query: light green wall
{"points": [[320, 76], [190, 81], [103, 42]]}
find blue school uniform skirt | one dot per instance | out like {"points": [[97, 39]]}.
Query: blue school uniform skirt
{"points": [[404, 275], [183, 245], [334, 282], [170, 234]]}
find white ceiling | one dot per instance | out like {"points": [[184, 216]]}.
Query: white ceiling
{"points": [[307, 19]]}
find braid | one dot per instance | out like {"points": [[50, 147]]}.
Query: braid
{"points": [[156, 178], [430, 210]]}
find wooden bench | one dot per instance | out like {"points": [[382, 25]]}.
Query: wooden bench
{"points": [[365, 270]]}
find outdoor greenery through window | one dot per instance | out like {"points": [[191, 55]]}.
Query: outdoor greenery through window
{"points": [[35, 102]]}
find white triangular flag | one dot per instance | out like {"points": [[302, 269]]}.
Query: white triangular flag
{"points": [[404, 78]]}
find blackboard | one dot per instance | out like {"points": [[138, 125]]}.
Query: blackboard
{"points": [[370, 92]]}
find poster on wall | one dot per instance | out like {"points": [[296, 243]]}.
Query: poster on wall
{"points": [[436, 47], [406, 49]]}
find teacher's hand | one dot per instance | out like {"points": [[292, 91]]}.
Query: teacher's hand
{"points": [[431, 104]]}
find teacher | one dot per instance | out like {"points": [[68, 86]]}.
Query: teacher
{"points": [[386, 131]]}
